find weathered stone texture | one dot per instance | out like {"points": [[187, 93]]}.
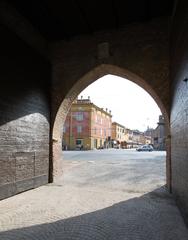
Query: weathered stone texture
{"points": [[179, 109], [24, 116]]}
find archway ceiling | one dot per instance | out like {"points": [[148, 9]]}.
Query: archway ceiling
{"points": [[58, 19]]}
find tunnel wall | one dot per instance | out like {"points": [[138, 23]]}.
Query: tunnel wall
{"points": [[179, 107], [24, 116]]}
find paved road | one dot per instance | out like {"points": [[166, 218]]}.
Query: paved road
{"points": [[104, 195], [113, 154], [125, 170]]}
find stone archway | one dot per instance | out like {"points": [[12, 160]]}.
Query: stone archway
{"points": [[93, 75]]}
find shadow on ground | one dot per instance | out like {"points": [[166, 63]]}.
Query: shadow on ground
{"points": [[153, 216]]}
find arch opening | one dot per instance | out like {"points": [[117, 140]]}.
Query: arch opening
{"points": [[90, 77]]}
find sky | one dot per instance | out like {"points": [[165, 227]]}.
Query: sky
{"points": [[130, 104]]}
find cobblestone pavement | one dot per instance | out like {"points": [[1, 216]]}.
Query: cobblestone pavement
{"points": [[72, 210]]}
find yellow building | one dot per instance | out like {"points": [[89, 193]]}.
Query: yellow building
{"points": [[119, 135]]}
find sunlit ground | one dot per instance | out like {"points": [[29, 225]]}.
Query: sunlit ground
{"points": [[104, 194], [115, 169]]}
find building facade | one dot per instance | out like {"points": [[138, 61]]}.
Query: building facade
{"points": [[136, 138], [127, 138], [149, 134], [119, 136], [87, 126], [148, 140], [159, 135]]}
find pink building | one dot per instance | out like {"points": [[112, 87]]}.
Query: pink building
{"points": [[87, 126]]}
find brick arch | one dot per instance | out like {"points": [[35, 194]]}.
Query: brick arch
{"points": [[63, 109]]}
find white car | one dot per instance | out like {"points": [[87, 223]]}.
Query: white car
{"points": [[147, 148]]}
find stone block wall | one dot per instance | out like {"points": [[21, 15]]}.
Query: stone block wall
{"points": [[139, 52], [24, 116], [179, 106]]}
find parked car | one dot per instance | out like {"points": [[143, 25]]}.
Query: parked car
{"points": [[147, 148]]}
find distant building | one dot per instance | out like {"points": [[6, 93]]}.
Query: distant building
{"points": [[129, 134], [87, 126], [119, 137], [159, 134], [137, 138], [148, 140], [127, 138], [149, 133]]}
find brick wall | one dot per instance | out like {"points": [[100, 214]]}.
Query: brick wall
{"points": [[139, 52], [179, 108], [24, 116], [141, 49]]}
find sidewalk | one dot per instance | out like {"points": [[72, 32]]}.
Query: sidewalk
{"points": [[55, 212]]}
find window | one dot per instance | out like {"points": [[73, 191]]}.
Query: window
{"points": [[79, 129], [64, 129], [78, 141], [79, 116]]}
